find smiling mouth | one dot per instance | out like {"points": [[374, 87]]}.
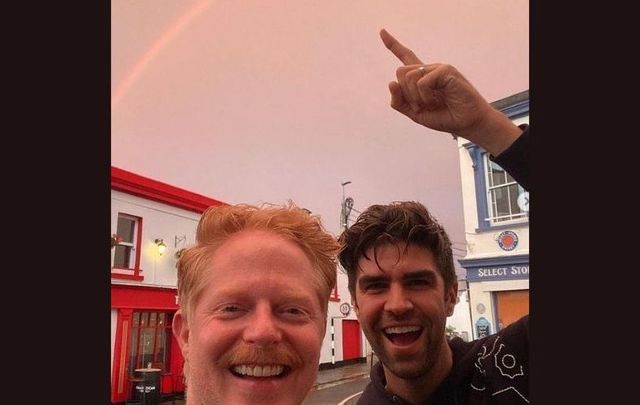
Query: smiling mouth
{"points": [[402, 335], [260, 371]]}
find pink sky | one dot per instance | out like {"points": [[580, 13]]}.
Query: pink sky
{"points": [[261, 101]]}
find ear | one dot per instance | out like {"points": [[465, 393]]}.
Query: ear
{"points": [[451, 297], [181, 332]]}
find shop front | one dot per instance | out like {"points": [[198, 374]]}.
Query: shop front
{"points": [[142, 339], [498, 291]]}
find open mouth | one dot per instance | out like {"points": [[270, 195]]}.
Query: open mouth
{"points": [[403, 335], [260, 371]]}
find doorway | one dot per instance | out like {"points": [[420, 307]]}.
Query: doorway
{"points": [[350, 339]]}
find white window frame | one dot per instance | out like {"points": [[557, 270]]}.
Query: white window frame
{"points": [[512, 217], [131, 265]]}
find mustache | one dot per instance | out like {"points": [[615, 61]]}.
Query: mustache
{"points": [[248, 354]]}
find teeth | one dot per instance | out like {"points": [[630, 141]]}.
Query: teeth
{"points": [[402, 329], [259, 371]]}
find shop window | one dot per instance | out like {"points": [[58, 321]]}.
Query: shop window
{"points": [[150, 337]]}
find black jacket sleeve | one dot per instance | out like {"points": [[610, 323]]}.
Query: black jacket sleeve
{"points": [[515, 160]]}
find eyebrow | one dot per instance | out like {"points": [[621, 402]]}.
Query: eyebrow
{"points": [[429, 274], [364, 280], [412, 275], [284, 296]]}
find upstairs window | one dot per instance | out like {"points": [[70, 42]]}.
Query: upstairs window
{"points": [[125, 251], [500, 200], [502, 195], [334, 294]]}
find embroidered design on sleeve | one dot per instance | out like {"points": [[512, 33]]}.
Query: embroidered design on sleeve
{"points": [[510, 388], [478, 389], [508, 361], [501, 372]]}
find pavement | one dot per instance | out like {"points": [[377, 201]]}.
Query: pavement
{"points": [[326, 378], [334, 376]]}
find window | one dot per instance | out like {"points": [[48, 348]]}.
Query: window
{"points": [[496, 192], [334, 294], [502, 194], [150, 337], [124, 256]]}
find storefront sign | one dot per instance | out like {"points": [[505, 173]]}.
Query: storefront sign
{"points": [[512, 267], [493, 273]]}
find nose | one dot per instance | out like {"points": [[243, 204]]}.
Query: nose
{"points": [[262, 328], [398, 302]]}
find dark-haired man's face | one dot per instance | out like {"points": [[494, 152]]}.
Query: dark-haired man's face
{"points": [[402, 306]]}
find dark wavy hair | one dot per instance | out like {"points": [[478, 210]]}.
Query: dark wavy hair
{"points": [[401, 221]]}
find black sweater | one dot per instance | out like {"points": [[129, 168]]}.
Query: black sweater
{"points": [[491, 370], [515, 160]]}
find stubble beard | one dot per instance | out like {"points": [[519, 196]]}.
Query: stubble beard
{"points": [[410, 368], [198, 389]]}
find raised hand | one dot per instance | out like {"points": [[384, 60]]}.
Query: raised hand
{"points": [[439, 97]]}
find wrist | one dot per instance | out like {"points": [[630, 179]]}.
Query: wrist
{"points": [[495, 133]]}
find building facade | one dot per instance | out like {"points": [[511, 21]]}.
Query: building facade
{"points": [[151, 222], [496, 216], [459, 323]]}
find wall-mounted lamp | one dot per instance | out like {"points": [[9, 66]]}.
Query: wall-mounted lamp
{"points": [[179, 239], [161, 246]]}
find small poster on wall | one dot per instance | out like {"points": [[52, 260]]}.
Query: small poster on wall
{"points": [[483, 327]]}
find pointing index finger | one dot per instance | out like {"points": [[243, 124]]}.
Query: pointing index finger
{"points": [[403, 53]]}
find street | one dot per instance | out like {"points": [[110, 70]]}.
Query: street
{"points": [[328, 396], [338, 393]]}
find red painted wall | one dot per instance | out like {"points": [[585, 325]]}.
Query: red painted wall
{"points": [[143, 297]]}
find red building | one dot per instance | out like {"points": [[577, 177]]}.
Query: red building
{"points": [[151, 222]]}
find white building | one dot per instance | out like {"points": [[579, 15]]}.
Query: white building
{"points": [[496, 216], [147, 215]]}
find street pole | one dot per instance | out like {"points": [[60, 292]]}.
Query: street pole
{"points": [[470, 310], [333, 339], [347, 204]]}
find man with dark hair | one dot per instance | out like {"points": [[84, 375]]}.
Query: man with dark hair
{"points": [[400, 265]]}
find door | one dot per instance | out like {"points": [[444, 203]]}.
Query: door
{"points": [[512, 305], [350, 339]]}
